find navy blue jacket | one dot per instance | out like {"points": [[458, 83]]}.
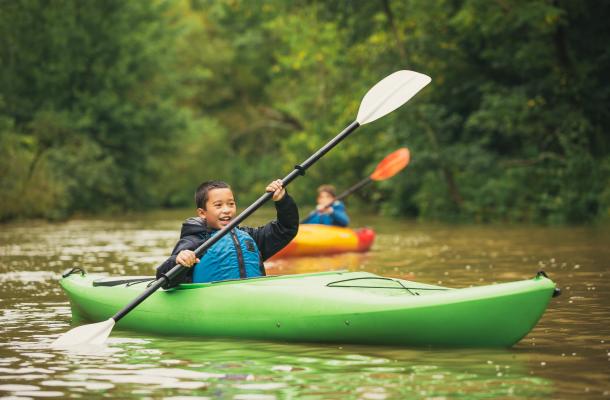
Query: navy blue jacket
{"points": [[269, 238]]}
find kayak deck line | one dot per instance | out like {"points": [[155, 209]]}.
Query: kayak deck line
{"points": [[127, 281], [400, 287], [238, 281], [132, 280]]}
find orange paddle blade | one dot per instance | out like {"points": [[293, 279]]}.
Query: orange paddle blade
{"points": [[392, 164]]}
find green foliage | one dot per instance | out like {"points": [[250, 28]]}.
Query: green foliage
{"points": [[91, 92], [118, 105]]}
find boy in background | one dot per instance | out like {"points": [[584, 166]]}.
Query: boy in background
{"points": [[329, 210]]}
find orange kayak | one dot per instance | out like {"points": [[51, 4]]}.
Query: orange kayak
{"points": [[314, 240]]}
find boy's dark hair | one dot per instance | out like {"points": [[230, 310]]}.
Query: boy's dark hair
{"points": [[201, 194], [330, 189]]}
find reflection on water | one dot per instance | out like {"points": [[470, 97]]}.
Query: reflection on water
{"points": [[566, 356], [135, 366]]}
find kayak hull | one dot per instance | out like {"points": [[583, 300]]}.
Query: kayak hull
{"points": [[315, 239], [336, 307]]}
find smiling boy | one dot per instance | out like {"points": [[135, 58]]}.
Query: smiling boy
{"points": [[241, 252]]}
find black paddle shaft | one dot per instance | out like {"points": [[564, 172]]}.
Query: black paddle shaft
{"points": [[177, 269], [357, 186]]}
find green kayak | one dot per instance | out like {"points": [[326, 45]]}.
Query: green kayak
{"points": [[339, 307]]}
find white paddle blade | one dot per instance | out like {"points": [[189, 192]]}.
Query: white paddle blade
{"points": [[390, 93], [85, 334]]}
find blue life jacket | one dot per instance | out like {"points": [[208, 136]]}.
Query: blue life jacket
{"points": [[338, 217], [235, 256]]}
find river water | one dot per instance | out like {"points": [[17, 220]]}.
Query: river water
{"points": [[567, 355]]}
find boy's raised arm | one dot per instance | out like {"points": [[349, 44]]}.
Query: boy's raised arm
{"points": [[272, 237]]}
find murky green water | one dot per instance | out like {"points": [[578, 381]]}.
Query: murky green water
{"points": [[566, 356]]}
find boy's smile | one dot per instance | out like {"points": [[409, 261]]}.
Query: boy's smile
{"points": [[220, 208]]}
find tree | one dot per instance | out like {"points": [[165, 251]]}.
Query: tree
{"points": [[92, 95]]}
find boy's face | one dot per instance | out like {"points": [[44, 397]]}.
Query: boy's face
{"points": [[220, 208], [325, 199]]}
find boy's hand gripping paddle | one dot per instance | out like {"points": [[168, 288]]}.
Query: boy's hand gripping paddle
{"points": [[383, 98]]}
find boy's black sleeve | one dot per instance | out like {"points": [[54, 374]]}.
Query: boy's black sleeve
{"points": [[185, 243], [272, 237]]}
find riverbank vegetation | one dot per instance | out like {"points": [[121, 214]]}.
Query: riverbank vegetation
{"points": [[108, 106]]}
